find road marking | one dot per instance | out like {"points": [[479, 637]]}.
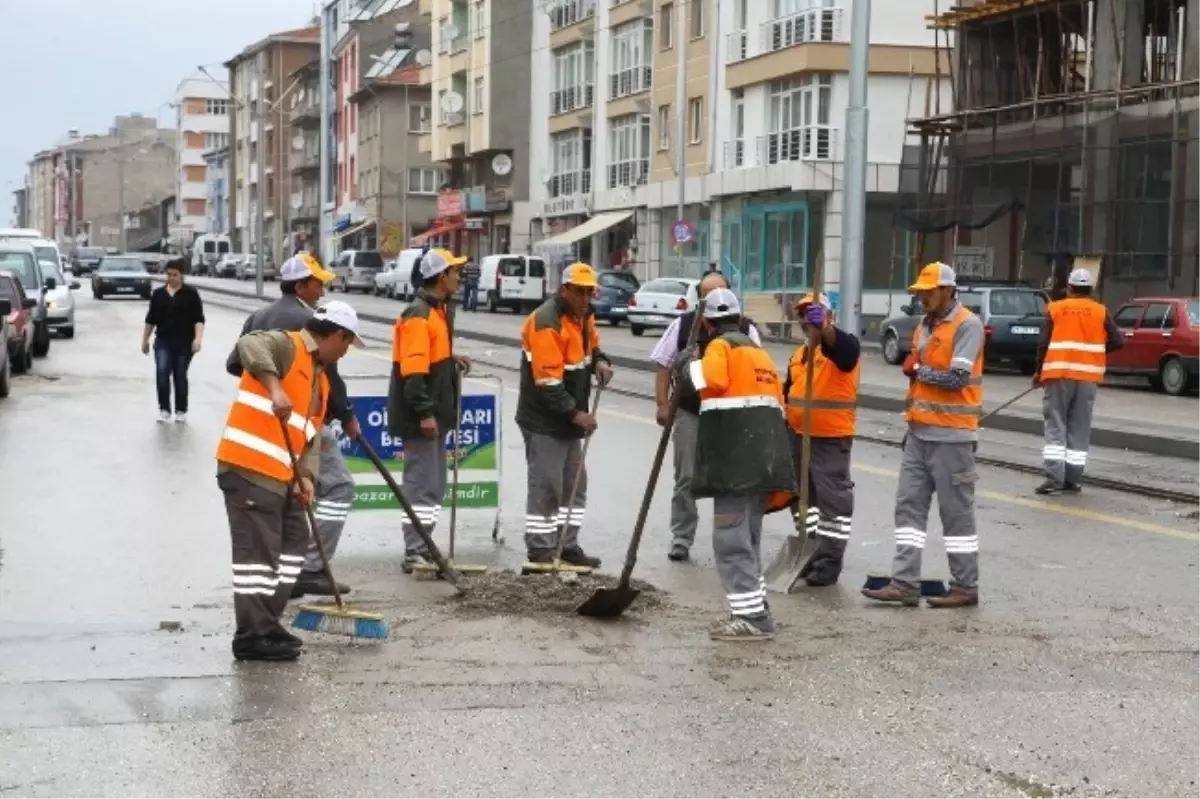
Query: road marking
{"points": [[1010, 499]]}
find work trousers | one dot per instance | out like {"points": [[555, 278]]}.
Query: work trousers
{"points": [[424, 487], [1067, 407], [551, 465], [171, 362], [470, 295], [335, 495], [737, 545], [830, 501], [684, 516], [269, 535], [947, 469]]}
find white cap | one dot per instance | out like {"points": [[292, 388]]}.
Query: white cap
{"points": [[436, 261], [1080, 278], [302, 266], [721, 302], [342, 315]]}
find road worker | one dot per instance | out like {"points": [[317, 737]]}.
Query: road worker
{"points": [[423, 394], [302, 282], [742, 455], [284, 383], [561, 358], [684, 516], [835, 396], [945, 397]]}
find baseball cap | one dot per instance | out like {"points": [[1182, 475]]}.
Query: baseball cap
{"points": [[807, 300], [579, 274], [342, 315], [721, 302], [301, 266], [434, 262], [934, 275], [1081, 278]]}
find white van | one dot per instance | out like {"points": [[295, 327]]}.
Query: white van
{"points": [[512, 281], [396, 281]]}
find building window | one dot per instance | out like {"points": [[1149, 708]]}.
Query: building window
{"points": [[666, 26], [736, 156], [570, 163], [664, 128], [568, 12], [214, 140], [574, 74], [444, 29], [420, 117], [628, 150], [695, 120], [218, 107], [477, 97], [801, 21], [696, 19], [799, 120], [631, 48], [425, 180], [479, 22]]}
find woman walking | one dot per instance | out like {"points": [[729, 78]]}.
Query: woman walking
{"points": [[176, 316]]}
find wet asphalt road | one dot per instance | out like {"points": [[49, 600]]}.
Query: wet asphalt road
{"points": [[1077, 675]]}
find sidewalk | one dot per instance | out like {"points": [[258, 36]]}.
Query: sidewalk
{"points": [[1128, 414]]}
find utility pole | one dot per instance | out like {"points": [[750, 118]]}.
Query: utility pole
{"points": [[121, 188], [854, 186], [260, 175], [679, 40], [324, 229]]}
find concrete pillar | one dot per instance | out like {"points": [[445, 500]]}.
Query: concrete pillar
{"points": [[1119, 48], [1191, 41]]}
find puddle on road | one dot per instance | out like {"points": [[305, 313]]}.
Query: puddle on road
{"points": [[508, 593]]}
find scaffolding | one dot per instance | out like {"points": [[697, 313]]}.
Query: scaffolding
{"points": [[1073, 134]]}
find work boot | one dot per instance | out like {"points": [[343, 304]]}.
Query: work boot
{"points": [[264, 649], [540, 556], [316, 584], [822, 571], [1048, 487], [894, 593], [280, 634], [577, 557], [412, 560], [678, 553], [744, 628], [954, 598], [1071, 488]]}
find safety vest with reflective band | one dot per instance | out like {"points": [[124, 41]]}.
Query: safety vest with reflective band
{"points": [[559, 355], [937, 407], [253, 438], [742, 444], [1077, 341], [424, 380], [835, 396]]}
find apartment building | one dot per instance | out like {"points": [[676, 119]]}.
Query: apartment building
{"points": [[262, 138], [482, 84], [20, 209], [765, 94], [216, 202], [202, 124], [305, 119]]}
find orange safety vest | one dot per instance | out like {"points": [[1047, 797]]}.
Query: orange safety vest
{"points": [[835, 396], [937, 407], [253, 438], [1077, 340]]}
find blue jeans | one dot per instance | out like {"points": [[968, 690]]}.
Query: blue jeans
{"points": [[171, 361], [470, 295]]}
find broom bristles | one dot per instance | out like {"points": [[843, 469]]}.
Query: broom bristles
{"points": [[341, 621]]}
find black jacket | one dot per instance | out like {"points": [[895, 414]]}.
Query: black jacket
{"points": [[415, 397]]}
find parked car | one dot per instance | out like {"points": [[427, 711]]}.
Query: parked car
{"points": [[1162, 342], [612, 298], [121, 274], [659, 302], [248, 268], [17, 257], [355, 270], [396, 278], [18, 322], [517, 282], [229, 265], [154, 261], [60, 304], [1013, 316], [6, 361], [86, 259]]}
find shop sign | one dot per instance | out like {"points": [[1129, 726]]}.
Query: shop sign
{"points": [[473, 202], [449, 203], [570, 204], [475, 223], [495, 201]]}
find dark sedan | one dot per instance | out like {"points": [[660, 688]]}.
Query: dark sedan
{"points": [[612, 297], [86, 259], [123, 275]]}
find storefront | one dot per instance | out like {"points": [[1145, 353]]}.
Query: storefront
{"points": [[768, 244]]}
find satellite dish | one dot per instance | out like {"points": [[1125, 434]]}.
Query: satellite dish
{"points": [[502, 164], [450, 32], [297, 201], [546, 177], [298, 142], [424, 58], [452, 102]]}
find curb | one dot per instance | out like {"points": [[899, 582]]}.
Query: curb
{"points": [[1108, 437]]}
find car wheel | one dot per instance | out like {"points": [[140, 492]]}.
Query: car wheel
{"points": [[98, 295], [5, 374], [636, 330], [20, 360], [1173, 377], [41, 341], [891, 348], [1028, 366], [67, 332], [614, 321]]}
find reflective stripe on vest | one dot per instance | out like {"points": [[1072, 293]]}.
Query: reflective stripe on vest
{"points": [[1077, 338], [937, 407], [738, 403], [836, 395]]}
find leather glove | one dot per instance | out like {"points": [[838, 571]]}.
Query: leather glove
{"points": [[815, 315], [910, 365]]}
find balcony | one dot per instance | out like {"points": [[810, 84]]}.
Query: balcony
{"points": [[568, 12], [307, 211], [570, 99], [629, 173], [809, 143], [306, 114], [570, 184], [803, 27], [632, 80], [306, 160], [453, 119]]}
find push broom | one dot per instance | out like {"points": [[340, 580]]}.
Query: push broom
{"points": [[338, 618]]}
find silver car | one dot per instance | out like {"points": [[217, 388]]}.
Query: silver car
{"points": [[355, 270], [248, 270], [60, 305]]}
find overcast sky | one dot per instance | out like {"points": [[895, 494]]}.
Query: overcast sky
{"points": [[75, 64]]}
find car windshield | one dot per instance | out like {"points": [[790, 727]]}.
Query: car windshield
{"points": [[972, 302], [663, 286], [615, 280], [1193, 312], [111, 264], [1017, 303], [46, 254], [369, 260], [51, 270], [89, 252], [21, 265]]}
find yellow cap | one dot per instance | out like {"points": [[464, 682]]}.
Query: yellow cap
{"points": [[934, 275], [807, 300], [436, 261], [301, 266], [579, 274]]}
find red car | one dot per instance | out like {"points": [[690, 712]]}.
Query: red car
{"points": [[1162, 342], [20, 342]]}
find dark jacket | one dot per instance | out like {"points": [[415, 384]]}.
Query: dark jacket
{"points": [[288, 313], [424, 381], [558, 360], [688, 399]]}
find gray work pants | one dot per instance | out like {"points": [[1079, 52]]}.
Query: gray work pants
{"points": [[268, 535], [424, 487], [1067, 407], [831, 500], [737, 545], [335, 495], [684, 516], [551, 464], [947, 468]]}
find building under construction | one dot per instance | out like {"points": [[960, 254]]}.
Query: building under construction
{"points": [[1073, 134]]}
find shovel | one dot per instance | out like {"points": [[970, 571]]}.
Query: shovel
{"points": [[609, 603], [798, 548]]}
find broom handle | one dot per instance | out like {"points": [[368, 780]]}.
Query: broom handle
{"points": [[454, 481], [587, 441], [308, 513], [995, 411]]}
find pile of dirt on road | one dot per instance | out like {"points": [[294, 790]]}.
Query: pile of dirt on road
{"points": [[512, 594]]}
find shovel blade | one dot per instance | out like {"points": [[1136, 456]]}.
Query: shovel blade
{"points": [[786, 569], [608, 603]]}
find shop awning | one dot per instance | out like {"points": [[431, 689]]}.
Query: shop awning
{"points": [[350, 231], [597, 224], [435, 231]]}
